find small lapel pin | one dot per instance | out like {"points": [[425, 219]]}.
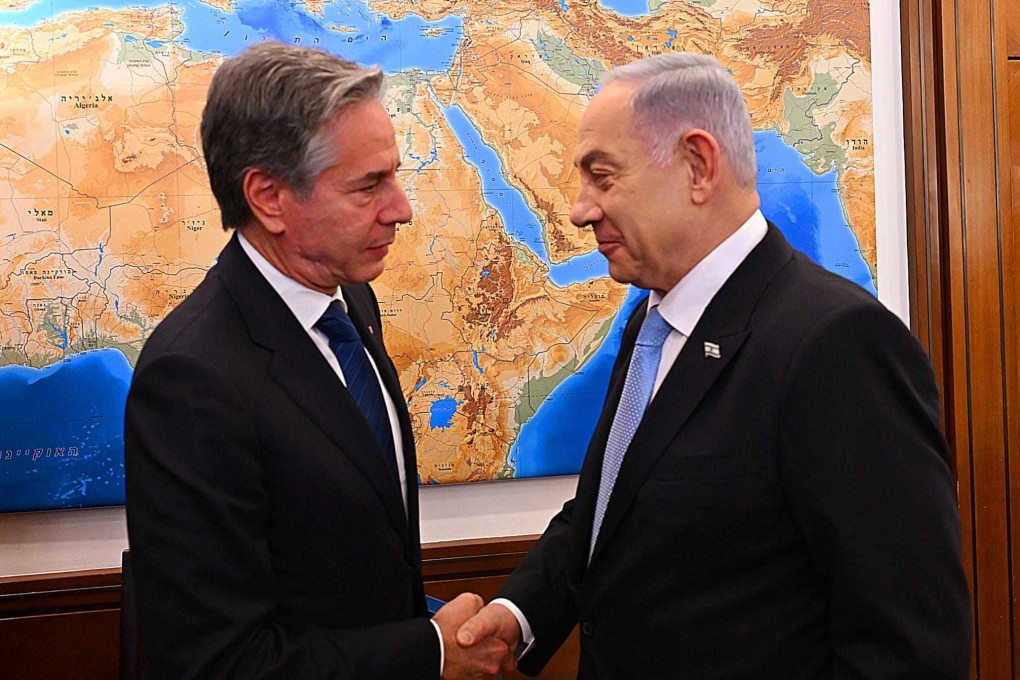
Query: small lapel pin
{"points": [[371, 330], [712, 350]]}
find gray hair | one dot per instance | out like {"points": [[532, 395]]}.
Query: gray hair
{"points": [[676, 93], [268, 108]]}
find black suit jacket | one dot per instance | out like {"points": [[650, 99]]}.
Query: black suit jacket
{"points": [[785, 511], [268, 534]]}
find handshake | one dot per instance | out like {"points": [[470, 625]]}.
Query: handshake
{"points": [[479, 641]]}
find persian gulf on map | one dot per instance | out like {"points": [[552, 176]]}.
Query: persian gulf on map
{"points": [[501, 317]]}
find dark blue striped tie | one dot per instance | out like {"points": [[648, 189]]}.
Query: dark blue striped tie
{"points": [[362, 382]]}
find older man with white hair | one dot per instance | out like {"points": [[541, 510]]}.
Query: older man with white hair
{"points": [[768, 493]]}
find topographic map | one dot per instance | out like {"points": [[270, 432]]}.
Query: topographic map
{"points": [[501, 318]]}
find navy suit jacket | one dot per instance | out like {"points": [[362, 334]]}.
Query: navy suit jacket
{"points": [[785, 510], [267, 531]]}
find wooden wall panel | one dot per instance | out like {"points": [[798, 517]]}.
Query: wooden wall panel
{"points": [[962, 120], [977, 308], [75, 646], [60, 626]]}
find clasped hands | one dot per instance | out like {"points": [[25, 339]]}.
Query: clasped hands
{"points": [[479, 641]]}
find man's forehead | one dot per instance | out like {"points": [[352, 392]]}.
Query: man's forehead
{"points": [[612, 101], [604, 124]]}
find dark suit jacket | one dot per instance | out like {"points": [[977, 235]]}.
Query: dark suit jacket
{"points": [[785, 511], [267, 531]]}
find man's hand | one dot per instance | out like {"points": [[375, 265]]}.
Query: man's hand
{"points": [[494, 621], [478, 661]]}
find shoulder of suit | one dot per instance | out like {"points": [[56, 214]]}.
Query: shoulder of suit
{"points": [[803, 294], [198, 322]]}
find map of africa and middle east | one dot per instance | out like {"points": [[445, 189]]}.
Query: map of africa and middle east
{"points": [[499, 314]]}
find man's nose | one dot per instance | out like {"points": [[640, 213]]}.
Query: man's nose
{"points": [[399, 209], [584, 211]]}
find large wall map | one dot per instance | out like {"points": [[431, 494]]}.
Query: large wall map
{"points": [[501, 317]]}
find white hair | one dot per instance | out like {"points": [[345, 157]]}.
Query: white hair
{"points": [[676, 93]]}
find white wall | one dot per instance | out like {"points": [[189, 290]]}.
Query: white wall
{"points": [[69, 540]]}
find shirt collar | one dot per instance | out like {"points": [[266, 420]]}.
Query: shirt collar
{"points": [[684, 304], [306, 304]]}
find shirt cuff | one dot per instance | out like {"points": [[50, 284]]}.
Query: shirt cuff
{"points": [[442, 649], [527, 637]]}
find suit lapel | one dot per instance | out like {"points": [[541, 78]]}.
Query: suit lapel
{"points": [[300, 370], [726, 324]]}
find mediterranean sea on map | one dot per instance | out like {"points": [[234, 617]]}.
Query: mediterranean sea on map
{"points": [[61, 422]]}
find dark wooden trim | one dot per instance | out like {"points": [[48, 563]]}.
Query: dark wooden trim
{"points": [[921, 163], [43, 594], [48, 594], [473, 558]]}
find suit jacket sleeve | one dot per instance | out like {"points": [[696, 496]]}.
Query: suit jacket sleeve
{"points": [[198, 501], [542, 588], [865, 468]]}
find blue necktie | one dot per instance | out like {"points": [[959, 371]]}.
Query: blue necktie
{"points": [[362, 382], [637, 392]]}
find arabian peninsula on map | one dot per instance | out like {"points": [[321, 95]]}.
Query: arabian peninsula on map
{"points": [[500, 315]]}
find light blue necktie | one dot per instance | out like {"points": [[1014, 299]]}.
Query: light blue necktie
{"points": [[637, 392]]}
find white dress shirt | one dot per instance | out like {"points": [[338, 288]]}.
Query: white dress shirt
{"points": [[682, 308], [684, 304]]}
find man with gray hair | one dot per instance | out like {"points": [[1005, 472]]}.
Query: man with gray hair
{"points": [[271, 474], [767, 494]]}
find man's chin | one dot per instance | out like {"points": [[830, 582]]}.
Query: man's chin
{"points": [[622, 274], [365, 274]]}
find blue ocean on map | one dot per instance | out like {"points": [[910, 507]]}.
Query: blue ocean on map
{"points": [[806, 207], [62, 432], [353, 32]]}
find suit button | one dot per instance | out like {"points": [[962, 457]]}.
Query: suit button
{"points": [[587, 629]]}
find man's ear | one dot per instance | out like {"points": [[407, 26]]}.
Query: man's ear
{"points": [[704, 160], [266, 196]]}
